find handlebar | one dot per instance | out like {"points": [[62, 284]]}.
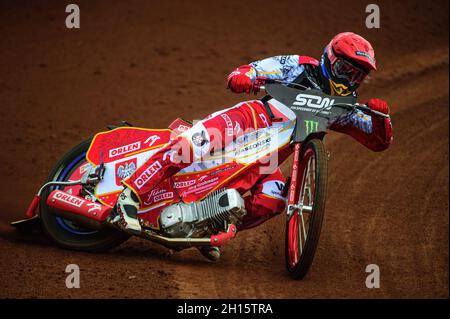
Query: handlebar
{"points": [[260, 81]]}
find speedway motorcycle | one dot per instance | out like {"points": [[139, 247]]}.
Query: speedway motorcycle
{"points": [[197, 206]]}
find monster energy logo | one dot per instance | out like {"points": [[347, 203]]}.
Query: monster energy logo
{"points": [[311, 126]]}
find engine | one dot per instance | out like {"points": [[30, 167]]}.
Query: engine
{"points": [[199, 219]]}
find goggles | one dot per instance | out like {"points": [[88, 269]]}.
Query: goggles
{"points": [[345, 70]]}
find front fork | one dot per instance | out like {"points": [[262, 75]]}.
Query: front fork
{"points": [[291, 201]]}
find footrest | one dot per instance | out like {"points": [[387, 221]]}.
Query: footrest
{"points": [[221, 238]]}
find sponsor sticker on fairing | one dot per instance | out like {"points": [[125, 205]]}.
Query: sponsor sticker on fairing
{"points": [[124, 149], [274, 188], [163, 196], [184, 183], [182, 128], [148, 174], [228, 123], [125, 169], [157, 195], [151, 140]]}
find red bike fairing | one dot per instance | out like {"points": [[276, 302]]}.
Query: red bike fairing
{"points": [[210, 134]]}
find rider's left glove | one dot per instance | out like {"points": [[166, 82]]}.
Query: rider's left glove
{"points": [[241, 80]]}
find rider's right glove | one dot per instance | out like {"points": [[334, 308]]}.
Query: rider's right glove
{"points": [[378, 105], [241, 80], [381, 125]]}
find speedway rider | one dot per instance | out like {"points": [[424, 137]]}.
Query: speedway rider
{"points": [[345, 63]]}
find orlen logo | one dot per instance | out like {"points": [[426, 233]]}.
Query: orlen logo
{"points": [[314, 101], [147, 174], [124, 149], [228, 123], [184, 183], [69, 199]]}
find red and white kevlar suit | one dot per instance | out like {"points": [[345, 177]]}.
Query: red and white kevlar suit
{"points": [[221, 128]]}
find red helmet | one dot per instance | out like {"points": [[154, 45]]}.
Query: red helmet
{"points": [[347, 60]]}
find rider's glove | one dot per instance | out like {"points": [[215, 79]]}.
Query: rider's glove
{"points": [[241, 80], [260, 81], [382, 127], [378, 105]]}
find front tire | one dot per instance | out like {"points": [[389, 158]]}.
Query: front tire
{"points": [[305, 223], [65, 233]]}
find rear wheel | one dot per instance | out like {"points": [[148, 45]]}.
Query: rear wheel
{"points": [[66, 233], [305, 222]]}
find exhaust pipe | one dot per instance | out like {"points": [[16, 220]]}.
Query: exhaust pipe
{"points": [[93, 215], [78, 209], [182, 243]]}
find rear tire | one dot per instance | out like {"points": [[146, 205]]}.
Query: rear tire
{"points": [[299, 262], [65, 233]]}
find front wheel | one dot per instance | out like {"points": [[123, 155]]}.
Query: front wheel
{"points": [[305, 220]]}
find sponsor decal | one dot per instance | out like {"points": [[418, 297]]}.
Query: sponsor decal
{"points": [[182, 128], [201, 187], [311, 126], [124, 149], [157, 195], [94, 207], [285, 70], [228, 123], [364, 54], [257, 145], [313, 101], [125, 169], [184, 183], [274, 189], [69, 199], [163, 196], [147, 174], [237, 128], [199, 139], [263, 117], [222, 170], [151, 140]]}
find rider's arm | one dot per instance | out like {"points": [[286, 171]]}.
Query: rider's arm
{"points": [[374, 132], [282, 67]]}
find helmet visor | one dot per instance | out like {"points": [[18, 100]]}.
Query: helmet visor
{"points": [[345, 70]]}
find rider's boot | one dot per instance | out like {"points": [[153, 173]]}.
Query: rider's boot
{"points": [[211, 253], [124, 214]]}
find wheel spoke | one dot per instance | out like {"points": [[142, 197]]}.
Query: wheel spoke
{"points": [[303, 226], [300, 240]]}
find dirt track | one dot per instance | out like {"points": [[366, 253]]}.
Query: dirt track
{"points": [[150, 63]]}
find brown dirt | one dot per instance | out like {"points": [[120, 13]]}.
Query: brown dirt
{"points": [[148, 62]]}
